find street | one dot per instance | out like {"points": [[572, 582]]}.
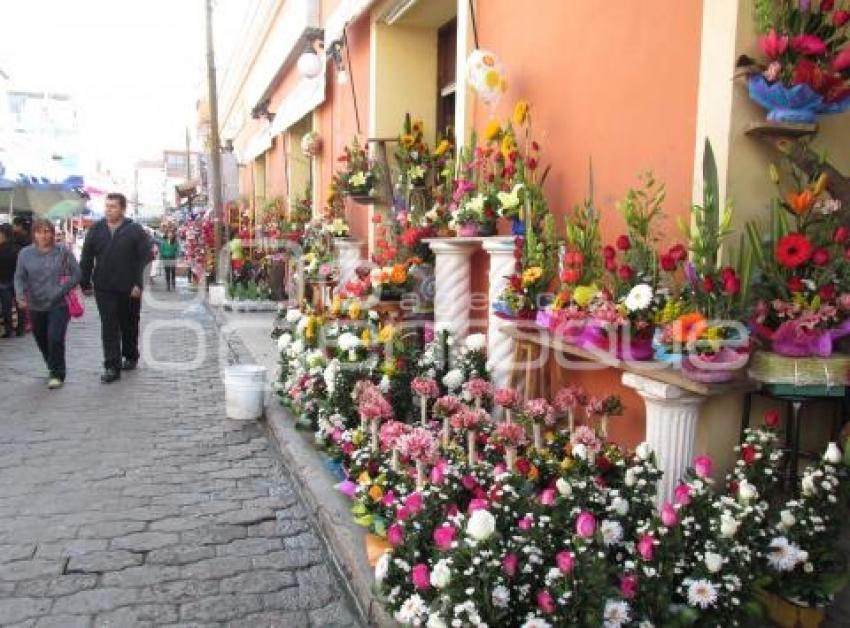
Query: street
{"points": [[139, 503]]}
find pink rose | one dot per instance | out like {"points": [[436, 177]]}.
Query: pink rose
{"points": [[510, 563], [682, 494], [395, 535], [809, 45], [545, 602], [388, 499], [703, 466], [525, 523], [438, 472], [668, 515], [646, 547], [468, 482], [420, 576], [477, 503], [628, 586], [564, 560], [444, 536], [586, 524], [403, 514], [413, 502], [547, 497]]}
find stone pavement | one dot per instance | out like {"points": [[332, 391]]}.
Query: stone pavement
{"points": [[139, 504]]}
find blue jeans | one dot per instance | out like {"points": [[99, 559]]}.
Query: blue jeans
{"points": [[49, 329]]}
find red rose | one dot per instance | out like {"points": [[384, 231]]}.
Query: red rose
{"points": [[827, 292], [611, 264], [827, 5], [771, 418], [572, 275], [795, 284], [608, 252], [732, 286], [678, 252], [516, 283], [523, 465], [793, 250], [626, 272], [708, 284], [535, 145], [513, 155], [531, 164], [726, 272], [840, 17], [623, 243], [578, 259], [820, 257], [841, 61], [748, 454], [841, 234], [668, 263], [602, 463]]}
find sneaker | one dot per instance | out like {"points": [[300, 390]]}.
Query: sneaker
{"points": [[110, 375], [129, 365], [54, 382]]}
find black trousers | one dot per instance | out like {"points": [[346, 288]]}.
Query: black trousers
{"points": [[49, 330], [7, 303], [170, 268], [119, 327]]}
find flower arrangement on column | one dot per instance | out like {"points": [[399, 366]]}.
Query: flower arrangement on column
{"points": [[358, 178], [536, 268], [806, 70]]}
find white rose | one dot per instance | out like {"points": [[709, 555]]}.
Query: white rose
{"points": [[435, 621], [580, 451], [293, 315], [728, 525], [564, 488], [382, 567], [620, 506], [644, 451], [441, 575], [476, 342], [747, 491], [787, 519], [833, 454], [284, 341], [631, 477], [808, 485], [713, 562], [481, 525]]}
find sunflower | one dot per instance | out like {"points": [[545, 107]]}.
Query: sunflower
{"points": [[521, 112], [793, 250], [530, 275], [492, 131], [407, 140]]}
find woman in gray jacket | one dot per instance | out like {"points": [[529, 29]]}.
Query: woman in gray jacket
{"points": [[46, 272]]}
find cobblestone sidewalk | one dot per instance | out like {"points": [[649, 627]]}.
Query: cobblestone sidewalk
{"points": [[139, 504]]}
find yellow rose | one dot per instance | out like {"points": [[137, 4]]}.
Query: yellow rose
{"points": [[567, 463], [365, 338], [521, 112], [358, 437], [492, 131], [386, 334], [376, 493], [364, 478], [355, 309], [582, 295]]}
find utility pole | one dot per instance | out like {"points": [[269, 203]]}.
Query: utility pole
{"points": [[215, 151]]}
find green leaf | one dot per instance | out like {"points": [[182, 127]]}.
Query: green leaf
{"points": [[710, 202], [358, 509], [364, 521]]}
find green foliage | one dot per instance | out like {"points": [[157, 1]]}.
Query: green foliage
{"points": [[583, 235], [710, 224]]}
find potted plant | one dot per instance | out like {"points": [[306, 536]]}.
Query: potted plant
{"points": [[806, 71], [359, 178]]}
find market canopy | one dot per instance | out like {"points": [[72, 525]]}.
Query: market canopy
{"points": [[66, 208], [36, 199]]}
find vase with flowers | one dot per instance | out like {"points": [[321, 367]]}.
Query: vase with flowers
{"points": [[522, 296], [358, 179], [806, 70]]}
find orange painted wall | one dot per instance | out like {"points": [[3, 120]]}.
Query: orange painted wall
{"points": [[335, 119], [615, 82]]}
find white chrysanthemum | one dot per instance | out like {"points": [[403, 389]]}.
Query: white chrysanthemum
{"points": [[563, 487], [441, 575], [302, 325], [384, 384], [412, 609], [786, 519], [435, 621], [612, 532], [784, 555], [284, 341], [702, 593], [808, 485], [348, 341], [616, 614], [481, 525], [639, 298], [293, 315], [453, 379], [501, 596], [476, 342], [728, 525], [643, 451], [382, 567], [297, 347], [536, 622], [620, 506], [631, 477], [713, 562], [580, 451]]}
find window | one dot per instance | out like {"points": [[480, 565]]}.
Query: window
{"points": [[446, 78]]}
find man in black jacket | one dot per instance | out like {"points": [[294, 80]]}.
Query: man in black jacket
{"points": [[115, 254]]}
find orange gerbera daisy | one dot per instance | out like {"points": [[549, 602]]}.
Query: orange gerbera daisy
{"points": [[689, 327], [398, 274]]}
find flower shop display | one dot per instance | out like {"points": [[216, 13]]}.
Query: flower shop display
{"points": [[359, 178], [535, 270], [806, 71], [803, 301]]}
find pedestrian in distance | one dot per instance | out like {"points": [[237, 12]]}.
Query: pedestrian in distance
{"points": [[46, 272], [169, 251], [115, 256], [9, 250], [23, 235]]}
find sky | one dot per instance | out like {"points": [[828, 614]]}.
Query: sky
{"points": [[135, 67]]}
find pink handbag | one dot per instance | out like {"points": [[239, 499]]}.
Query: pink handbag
{"points": [[73, 298]]}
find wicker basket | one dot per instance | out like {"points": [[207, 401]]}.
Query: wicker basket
{"points": [[772, 368]]}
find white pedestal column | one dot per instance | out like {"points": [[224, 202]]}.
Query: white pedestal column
{"points": [[349, 254], [671, 420], [500, 348], [453, 287]]}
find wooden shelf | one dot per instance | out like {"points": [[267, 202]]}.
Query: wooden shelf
{"points": [[659, 371], [778, 130]]}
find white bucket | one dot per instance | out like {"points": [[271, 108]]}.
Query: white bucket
{"points": [[244, 391], [216, 296]]}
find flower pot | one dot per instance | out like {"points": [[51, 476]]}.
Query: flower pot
{"points": [[787, 614], [364, 198], [468, 230], [502, 310], [634, 348], [517, 227], [791, 341], [799, 104], [718, 368]]}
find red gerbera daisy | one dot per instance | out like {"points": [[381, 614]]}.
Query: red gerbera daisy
{"points": [[793, 250]]}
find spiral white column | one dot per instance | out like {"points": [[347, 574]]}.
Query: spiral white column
{"points": [[500, 348], [453, 284], [349, 255], [671, 420]]}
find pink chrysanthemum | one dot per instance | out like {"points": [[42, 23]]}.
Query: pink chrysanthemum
{"points": [[478, 388], [469, 418], [539, 411], [506, 397], [446, 405], [391, 431], [425, 387], [418, 445], [510, 434], [569, 398]]}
